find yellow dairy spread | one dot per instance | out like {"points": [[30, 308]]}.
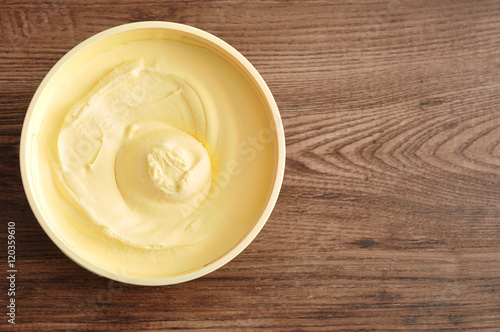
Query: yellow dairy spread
{"points": [[156, 155]]}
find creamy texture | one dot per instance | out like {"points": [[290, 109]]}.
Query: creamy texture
{"points": [[134, 174], [156, 156]]}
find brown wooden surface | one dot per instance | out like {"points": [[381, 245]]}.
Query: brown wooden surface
{"points": [[389, 216]]}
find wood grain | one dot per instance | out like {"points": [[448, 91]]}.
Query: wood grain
{"points": [[389, 217]]}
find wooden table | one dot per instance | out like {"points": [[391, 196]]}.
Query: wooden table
{"points": [[389, 216]]}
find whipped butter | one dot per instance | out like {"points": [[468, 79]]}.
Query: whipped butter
{"points": [[156, 156], [124, 163]]}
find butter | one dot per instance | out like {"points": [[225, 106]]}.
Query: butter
{"points": [[148, 157], [179, 166]]}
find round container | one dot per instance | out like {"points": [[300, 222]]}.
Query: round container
{"points": [[72, 61]]}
